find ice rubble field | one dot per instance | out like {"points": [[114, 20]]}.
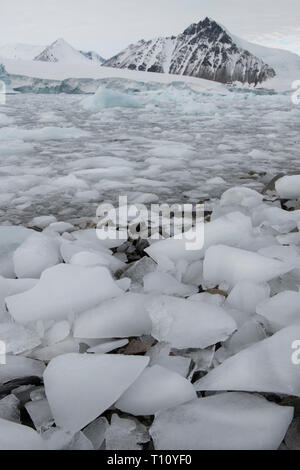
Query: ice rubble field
{"points": [[63, 154], [115, 345]]}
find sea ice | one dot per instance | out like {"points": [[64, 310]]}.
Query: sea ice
{"points": [[125, 434], [15, 436], [10, 408], [37, 253], [241, 195], [280, 310], [107, 98], [228, 421], [63, 291], [164, 283], [234, 229], [40, 414], [18, 339], [16, 367], [232, 265], [156, 389], [246, 295], [189, 324], [121, 317], [288, 187], [266, 366], [108, 346], [80, 387]]}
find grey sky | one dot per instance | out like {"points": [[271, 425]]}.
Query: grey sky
{"points": [[108, 26]]}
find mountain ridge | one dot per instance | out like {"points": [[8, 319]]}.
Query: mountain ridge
{"points": [[203, 50]]}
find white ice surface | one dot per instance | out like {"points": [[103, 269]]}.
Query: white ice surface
{"points": [[80, 387], [156, 389], [229, 421]]}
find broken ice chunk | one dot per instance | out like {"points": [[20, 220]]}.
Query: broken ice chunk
{"points": [[156, 389], [79, 387], [232, 265], [125, 434], [235, 229], [18, 339], [164, 283], [121, 317], [10, 408], [108, 346], [281, 310], [240, 195], [246, 295], [228, 421], [267, 366], [95, 432], [40, 414], [16, 367], [189, 324], [15, 436], [57, 332], [37, 253], [288, 187], [63, 291]]}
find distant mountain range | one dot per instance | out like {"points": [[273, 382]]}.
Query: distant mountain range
{"points": [[58, 51], [204, 50]]}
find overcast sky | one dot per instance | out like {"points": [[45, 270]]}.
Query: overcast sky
{"points": [[108, 26]]}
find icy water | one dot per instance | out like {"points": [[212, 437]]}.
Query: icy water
{"points": [[174, 148]]}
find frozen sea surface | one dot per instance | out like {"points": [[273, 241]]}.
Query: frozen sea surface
{"points": [[177, 145]]}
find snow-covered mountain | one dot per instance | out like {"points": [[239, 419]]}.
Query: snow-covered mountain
{"points": [[61, 51], [20, 51], [204, 50], [93, 56]]}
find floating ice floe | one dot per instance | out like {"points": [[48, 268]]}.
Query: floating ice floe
{"points": [[189, 324], [281, 310], [156, 389], [80, 387], [266, 366], [121, 317], [228, 421], [45, 133], [107, 98], [69, 290], [288, 187], [232, 265], [37, 253]]}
